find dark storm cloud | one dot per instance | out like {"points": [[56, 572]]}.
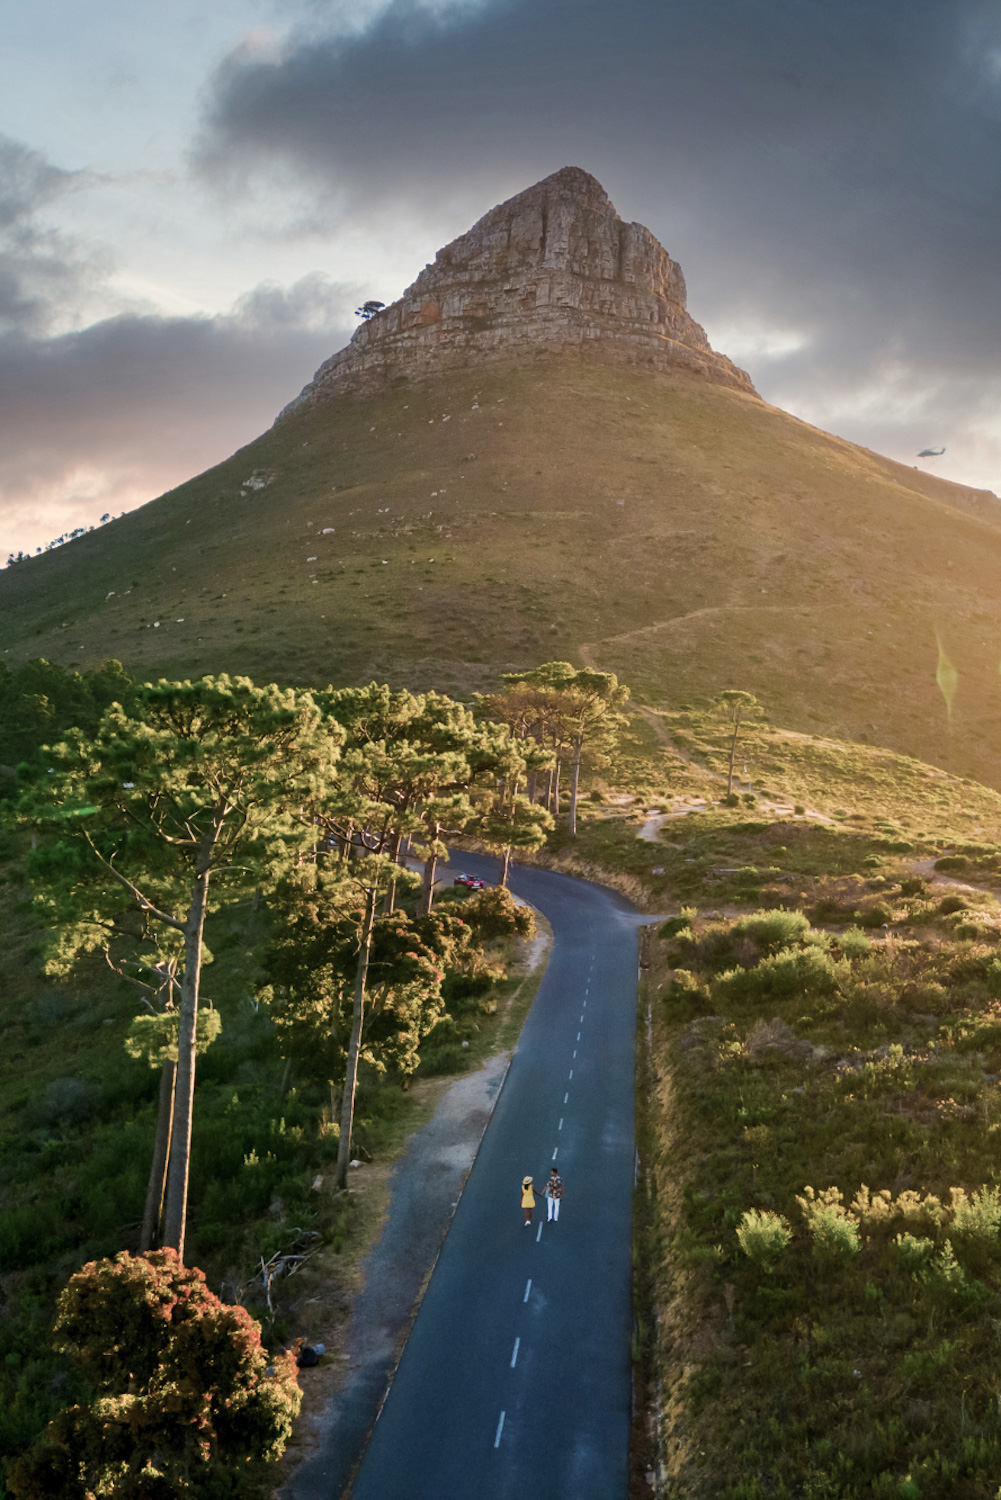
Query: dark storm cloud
{"points": [[830, 168], [133, 405]]}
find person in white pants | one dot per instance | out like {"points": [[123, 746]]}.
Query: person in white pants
{"points": [[554, 1194]]}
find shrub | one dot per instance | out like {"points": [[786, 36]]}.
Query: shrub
{"points": [[914, 1253], [791, 972], [977, 1216], [799, 809], [947, 1271], [452, 1057], [749, 799], [950, 904], [187, 1394], [684, 986], [733, 800], [913, 885], [494, 913], [952, 862], [878, 915], [675, 925], [763, 1235], [835, 1236], [854, 943], [773, 929]]}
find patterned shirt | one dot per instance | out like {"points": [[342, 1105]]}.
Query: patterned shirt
{"points": [[554, 1187]]}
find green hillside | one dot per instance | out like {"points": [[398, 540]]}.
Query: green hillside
{"points": [[684, 535]]}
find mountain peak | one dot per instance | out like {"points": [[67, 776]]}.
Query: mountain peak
{"points": [[552, 270]]}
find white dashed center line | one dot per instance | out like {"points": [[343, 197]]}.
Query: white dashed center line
{"points": [[514, 1356], [539, 1235], [571, 1075], [528, 1288], [500, 1429], [560, 1125], [555, 1149], [566, 1096]]}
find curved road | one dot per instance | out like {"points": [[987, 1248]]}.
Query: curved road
{"points": [[515, 1380]]}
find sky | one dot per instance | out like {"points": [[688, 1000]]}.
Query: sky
{"points": [[194, 199]]}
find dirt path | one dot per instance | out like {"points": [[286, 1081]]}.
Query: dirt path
{"points": [[926, 868]]}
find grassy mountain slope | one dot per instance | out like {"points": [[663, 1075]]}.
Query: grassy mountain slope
{"points": [[684, 535]]}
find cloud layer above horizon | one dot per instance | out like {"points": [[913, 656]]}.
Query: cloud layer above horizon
{"points": [[827, 177]]}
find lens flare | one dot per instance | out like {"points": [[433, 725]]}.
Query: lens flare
{"points": [[947, 677]]}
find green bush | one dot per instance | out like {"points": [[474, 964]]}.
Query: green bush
{"points": [[913, 885], [947, 1272], [854, 943], [763, 1235], [835, 1236], [878, 915], [952, 862], [683, 986], [450, 1058], [950, 904], [773, 929], [977, 1216], [793, 972], [914, 1253], [675, 925]]}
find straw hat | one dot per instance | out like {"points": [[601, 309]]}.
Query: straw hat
{"points": [[525, 1181]]}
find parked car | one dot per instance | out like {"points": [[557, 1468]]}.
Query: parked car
{"points": [[471, 882]]}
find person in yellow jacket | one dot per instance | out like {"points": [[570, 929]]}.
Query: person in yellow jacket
{"points": [[528, 1197]]}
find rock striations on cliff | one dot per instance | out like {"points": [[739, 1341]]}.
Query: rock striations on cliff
{"points": [[553, 270]]}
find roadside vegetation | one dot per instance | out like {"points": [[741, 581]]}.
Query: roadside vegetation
{"points": [[303, 1051], [818, 1223]]}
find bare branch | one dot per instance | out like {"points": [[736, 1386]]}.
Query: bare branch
{"points": [[144, 902]]}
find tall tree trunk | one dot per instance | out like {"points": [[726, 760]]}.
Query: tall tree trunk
{"points": [[389, 903], [354, 1046], [161, 1148], [574, 782], [533, 781], [175, 1217], [547, 796], [427, 883], [505, 868], [733, 752], [555, 809]]}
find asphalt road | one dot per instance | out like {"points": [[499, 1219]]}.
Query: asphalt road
{"points": [[515, 1380]]}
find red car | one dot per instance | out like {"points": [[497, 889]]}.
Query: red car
{"points": [[471, 882]]}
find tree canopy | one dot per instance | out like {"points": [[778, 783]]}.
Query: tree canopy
{"points": [[197, 785], [186, 1396]]}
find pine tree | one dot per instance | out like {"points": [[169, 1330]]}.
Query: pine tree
{"points": [[186, 799]]}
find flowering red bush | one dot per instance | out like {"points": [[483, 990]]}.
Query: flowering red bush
{"points": [[186, 1395]]}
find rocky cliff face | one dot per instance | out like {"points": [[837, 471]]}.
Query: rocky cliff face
{"points": [[552, 270]]}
